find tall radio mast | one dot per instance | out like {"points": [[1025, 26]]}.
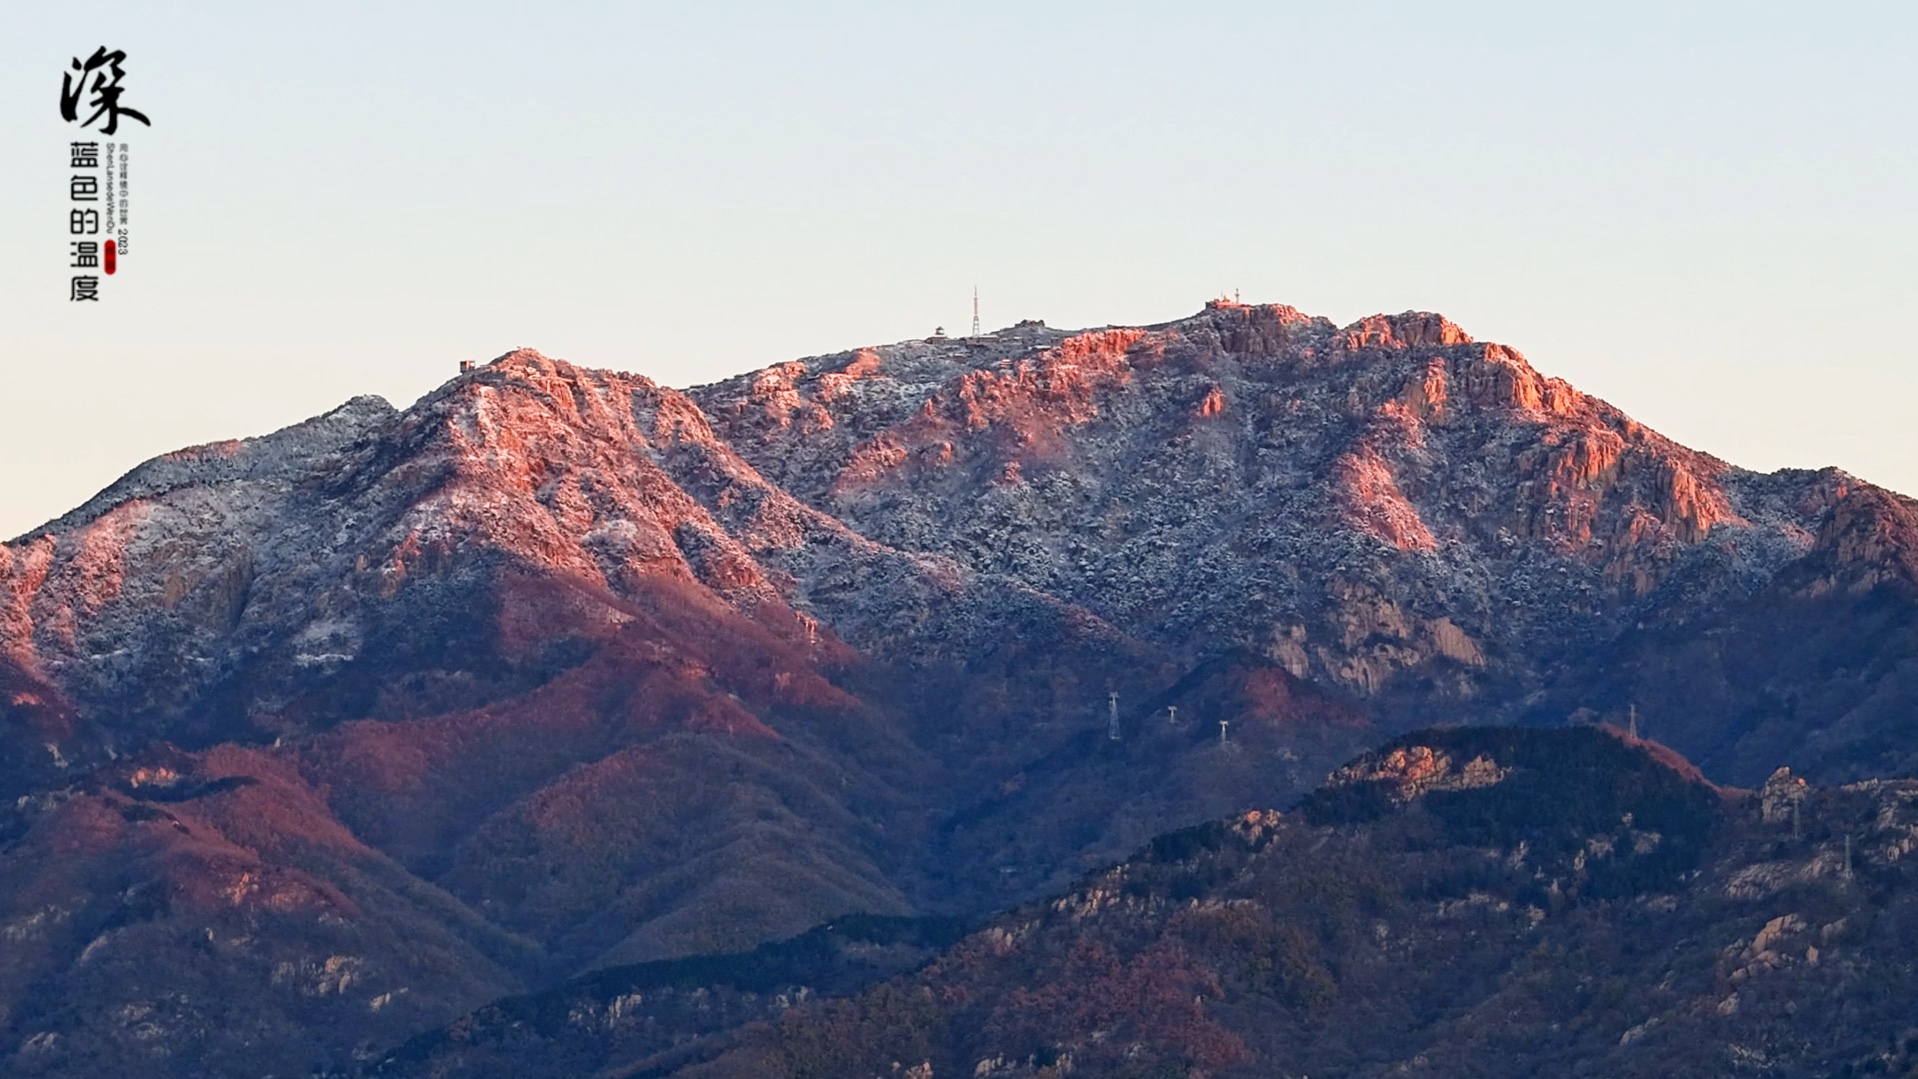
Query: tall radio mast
{"points": [[975, 310]]}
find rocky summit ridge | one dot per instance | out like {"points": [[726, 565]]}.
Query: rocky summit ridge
{"points": [[560, 668]]}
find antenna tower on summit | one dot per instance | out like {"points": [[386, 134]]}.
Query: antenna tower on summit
{"points": [[975, 310]]}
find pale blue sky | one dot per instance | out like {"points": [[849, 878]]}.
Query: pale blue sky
{"points": [[1702, 212]]}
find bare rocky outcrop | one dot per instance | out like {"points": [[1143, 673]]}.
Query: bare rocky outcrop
{"points": [[1781, 796], [1411, 771]]}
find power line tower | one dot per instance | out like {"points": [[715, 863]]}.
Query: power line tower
{"points": [[1222, 724], [1634, 722], [975, 310], [1112, 724]]}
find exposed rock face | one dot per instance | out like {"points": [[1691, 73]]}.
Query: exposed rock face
{"points": [[1411, 771], [1388, 502], [1781, 796], [623, 672], [1390, 510]]}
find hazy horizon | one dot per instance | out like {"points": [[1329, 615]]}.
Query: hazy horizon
{"points": [[1698, 213]]}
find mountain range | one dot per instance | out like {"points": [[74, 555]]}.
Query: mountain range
{"points": [[312, 742], [1463, 901]]}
